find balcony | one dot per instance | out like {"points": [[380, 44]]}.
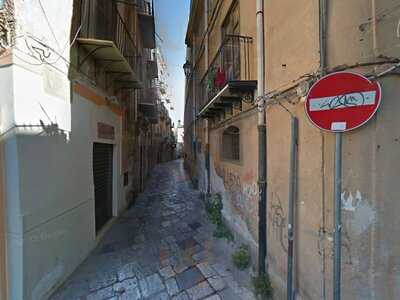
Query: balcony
{"points": [[107, 39], [147, 26], [151, 64], [148, 103], [228, 78]]}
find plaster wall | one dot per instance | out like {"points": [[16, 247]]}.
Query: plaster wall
{"points": [[50, 199], [236, 182], [48, 133], [356, 31]]}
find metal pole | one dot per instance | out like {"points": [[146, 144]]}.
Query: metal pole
{"points": [[292, 192], [207, 122], [208, 156], [338, 217], [323, 16], [262, 143], [194, 162], [322, 34]]}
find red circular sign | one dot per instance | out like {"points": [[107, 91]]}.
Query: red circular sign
{"points": [[342, 101]]}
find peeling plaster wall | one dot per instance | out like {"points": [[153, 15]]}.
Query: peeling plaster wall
{"points": [[201, 172], [236, 182], [358, 32], [47, 133], [370, 194]]}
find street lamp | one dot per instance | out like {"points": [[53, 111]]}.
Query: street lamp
{"points": [[188, 68]]}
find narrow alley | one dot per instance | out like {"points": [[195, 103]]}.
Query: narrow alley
{"points": [[161, 248], [199, 149]]}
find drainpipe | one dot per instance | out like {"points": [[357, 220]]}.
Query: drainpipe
{"points": [[262, 143], [337, 257], [207, 122], [323, 69], [194, 119], [208, 157], [322, 35]]}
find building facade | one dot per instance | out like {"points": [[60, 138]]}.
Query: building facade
{"points": [[361, 37], [81, 125], [220, 112]]}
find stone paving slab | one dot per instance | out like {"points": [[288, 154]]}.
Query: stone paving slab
{"points": [[189, 278], [161, 248]]}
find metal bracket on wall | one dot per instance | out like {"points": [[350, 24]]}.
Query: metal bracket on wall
{"points": [[91, 53]]}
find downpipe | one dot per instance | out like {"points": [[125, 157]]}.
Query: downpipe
{"points": [[337, 257], [262, 203], [323, 68], [262, 143]]}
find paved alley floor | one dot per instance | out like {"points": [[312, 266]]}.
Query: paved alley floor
{"points": [[161, 248]]}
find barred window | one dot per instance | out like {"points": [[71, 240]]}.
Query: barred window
{"points": [[231, 143]]}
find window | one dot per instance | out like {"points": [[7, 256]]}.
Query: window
{"points": [[231, 143], [230, 32]]}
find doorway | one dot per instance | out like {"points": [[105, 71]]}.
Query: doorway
{"points": [[103, 183]]}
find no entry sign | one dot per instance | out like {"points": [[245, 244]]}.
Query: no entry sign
{"points": [[342, 101]]}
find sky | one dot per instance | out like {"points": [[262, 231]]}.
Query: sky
{"points": [[171, 23]]}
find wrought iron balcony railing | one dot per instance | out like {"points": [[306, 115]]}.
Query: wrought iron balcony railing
{"points": [[145, 7], [145, 10], [231, 63], [101, 20]]}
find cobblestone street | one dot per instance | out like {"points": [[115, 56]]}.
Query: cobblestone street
{"points": [[161, 248]]}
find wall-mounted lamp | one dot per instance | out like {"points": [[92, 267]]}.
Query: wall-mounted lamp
{"points": [[188, 68]]}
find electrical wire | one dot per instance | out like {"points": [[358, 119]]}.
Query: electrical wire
{"points": [[48, 22], [389, 70], [291, 85]]}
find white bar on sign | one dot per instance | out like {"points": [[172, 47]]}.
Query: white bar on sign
{"points": [[343, 101], [338, 126]]}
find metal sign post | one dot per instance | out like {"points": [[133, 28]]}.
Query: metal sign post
{"points": [[337, 216]]}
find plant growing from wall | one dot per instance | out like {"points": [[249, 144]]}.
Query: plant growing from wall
{"points": [[241, 258], [262, 287], [223, 232], [214, 208]]}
